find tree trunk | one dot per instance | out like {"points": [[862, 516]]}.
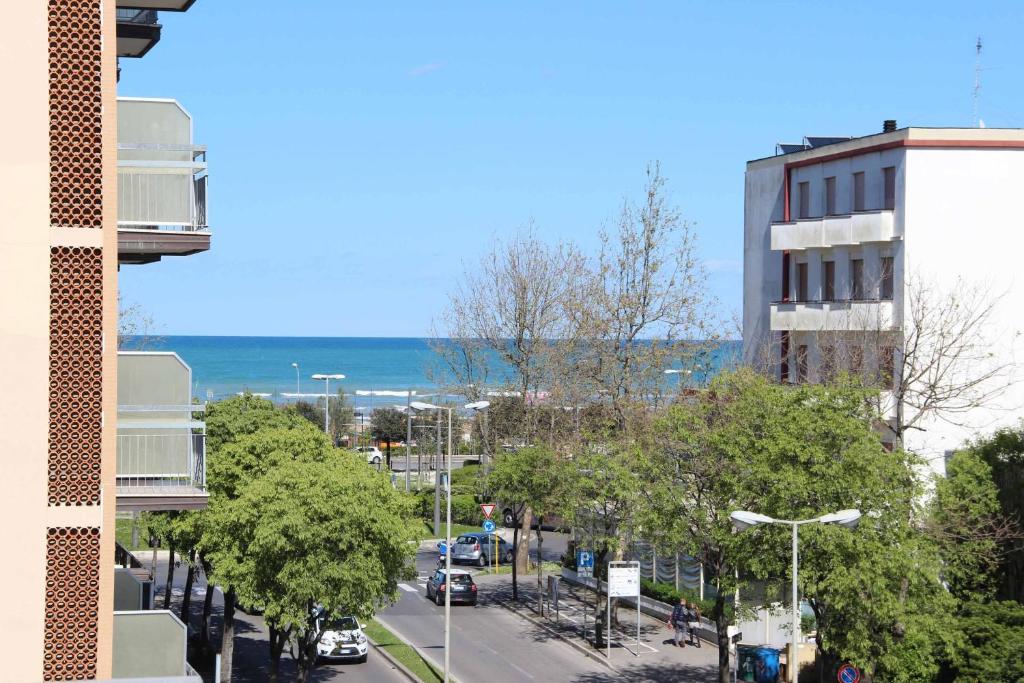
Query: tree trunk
{"points": [[227, 638], [207, 605], [389, 455], [540, 564], [515, 563], [277, 640], [523, 553], [190, 577], [722, 632], [170, 574]]}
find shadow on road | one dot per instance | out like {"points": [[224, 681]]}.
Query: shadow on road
{"points": [[653, 672]]}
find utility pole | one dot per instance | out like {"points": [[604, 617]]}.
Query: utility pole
{"points": [[437, 477]]}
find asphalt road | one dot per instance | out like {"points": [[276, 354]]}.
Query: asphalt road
{"points": [[488, 643]]}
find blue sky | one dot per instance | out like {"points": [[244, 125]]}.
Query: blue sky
{"points": [[362, 153]]}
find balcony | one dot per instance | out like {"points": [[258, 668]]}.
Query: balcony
{"points": [[150, 644], [833, 231], [161, 178], [161, 454], [137, 31], [832, 316]]}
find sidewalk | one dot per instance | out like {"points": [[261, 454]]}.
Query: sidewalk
{"points": [[656, 659]]}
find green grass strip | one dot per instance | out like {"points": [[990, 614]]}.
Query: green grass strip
{"points": [[403, 652]]}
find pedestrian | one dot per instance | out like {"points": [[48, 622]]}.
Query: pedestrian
{"points": [[677, 621], [693, 624]]}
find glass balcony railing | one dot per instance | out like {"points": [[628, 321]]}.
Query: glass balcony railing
{"points": [[161, 446]]}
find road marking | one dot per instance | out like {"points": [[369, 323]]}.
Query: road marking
{"points": [[407, 587]]}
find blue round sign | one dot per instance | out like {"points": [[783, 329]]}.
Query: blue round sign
{"points": [[848, 673], [489, 525]]}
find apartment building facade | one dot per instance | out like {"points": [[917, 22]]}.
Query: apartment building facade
{"points": [[60, 251], [843, 235]]}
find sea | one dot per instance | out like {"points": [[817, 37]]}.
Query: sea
{"points": [[226, 366]]}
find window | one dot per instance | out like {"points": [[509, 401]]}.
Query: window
{"points": [[801, 282], [858, 191], [889, 178], [784, 357], [828, 363], [830, 196], [885, 284], [801, 363], [857, 279], [828, 280], [804, 197]]}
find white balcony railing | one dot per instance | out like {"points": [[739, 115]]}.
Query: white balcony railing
{"points": [[832, 316], [150, 643], [161, 459], [831, 231]]}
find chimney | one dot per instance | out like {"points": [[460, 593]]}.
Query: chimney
{"points": [[889, 125]]}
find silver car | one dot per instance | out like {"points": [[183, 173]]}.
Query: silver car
{"points": [[478, 548]]}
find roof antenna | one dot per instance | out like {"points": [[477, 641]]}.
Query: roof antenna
{"points": [[977, 82]]}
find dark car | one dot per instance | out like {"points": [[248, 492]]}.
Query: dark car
{"points": [[462, 587], [478, 548]]}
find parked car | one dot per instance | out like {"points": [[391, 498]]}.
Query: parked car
{"points": [[342, 639], [551, 522], [478, 548], [373, 454], [463, 588]]}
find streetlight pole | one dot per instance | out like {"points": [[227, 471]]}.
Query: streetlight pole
{"points": [[481, 407], [327, 399], [296, 366], [742, 519]]}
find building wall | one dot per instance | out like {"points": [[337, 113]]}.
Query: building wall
{"points": [[762, 267], [964, 220], [58, 269]]}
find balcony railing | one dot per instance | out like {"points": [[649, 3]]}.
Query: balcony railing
{"points": [[833, 316], [132, 15], [831, 231], [150, 643], [161, 462]]}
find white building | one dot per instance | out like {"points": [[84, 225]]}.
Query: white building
{"points": [[837, 231]]}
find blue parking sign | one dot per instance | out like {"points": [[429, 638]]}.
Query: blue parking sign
{"points": [[489, 525], [584, 563]]}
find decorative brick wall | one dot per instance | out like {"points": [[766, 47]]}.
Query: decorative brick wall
{"points": [[72, 603], [76, 108], [76, 372]]}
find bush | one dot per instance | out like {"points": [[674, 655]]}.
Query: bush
{"points": [[465, 508], [666, 592]]}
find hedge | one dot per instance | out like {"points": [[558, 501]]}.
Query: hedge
{"points": [[666, 592]]}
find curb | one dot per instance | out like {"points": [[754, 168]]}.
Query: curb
{"points": [[571, 643], [422, 655], [394, 662]]}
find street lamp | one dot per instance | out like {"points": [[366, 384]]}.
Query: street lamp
{"points": [[420, 405], [327, 399], [296, 366], [743, 520]]}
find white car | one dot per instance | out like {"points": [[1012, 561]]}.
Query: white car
{"points": [[342, 639], [372, 453]]}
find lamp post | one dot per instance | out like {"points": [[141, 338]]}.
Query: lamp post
{"points": [[419, 405], [296, 366], [742, 520], [327, 399]]}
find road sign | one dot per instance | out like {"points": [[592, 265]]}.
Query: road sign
{"points": [[848, 673], [584, 564], [489, 525], [488, 509], [624, 581]]}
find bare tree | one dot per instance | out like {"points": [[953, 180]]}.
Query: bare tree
{"points": [[134, 327], [511, 307], [646, 306]]}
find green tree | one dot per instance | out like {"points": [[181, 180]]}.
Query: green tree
{"points": [[967, 523], [1004, 453], [388, 424], [528, 479], [329, 533], [991, 649], [796, 453], [342, 415]]}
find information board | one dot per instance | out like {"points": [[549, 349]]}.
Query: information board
{"points": [[624, 581]]}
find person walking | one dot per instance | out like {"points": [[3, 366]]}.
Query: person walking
{"points": [[693, 623], [678, 620]]}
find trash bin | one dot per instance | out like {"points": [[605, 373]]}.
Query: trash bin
{"points": [[757, 664]]}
